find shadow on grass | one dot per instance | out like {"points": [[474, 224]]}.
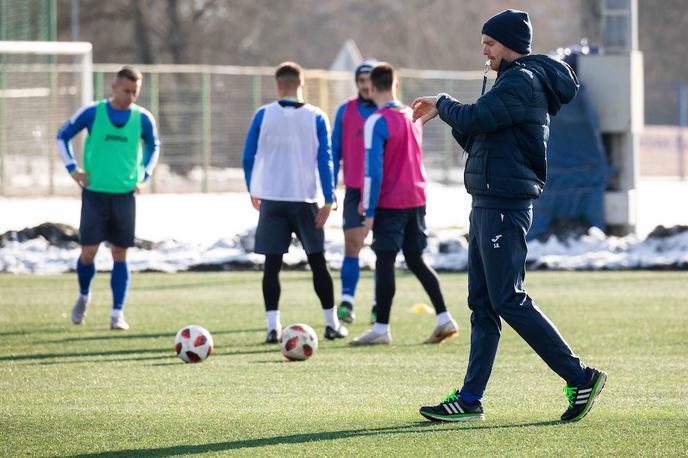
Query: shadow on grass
{"points": [[413, 428], [185, 286], [21, 332], [120, 336], [102, 360], [39, 356], [94, 357]]}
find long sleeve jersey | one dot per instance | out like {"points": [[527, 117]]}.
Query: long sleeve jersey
{"points": [[84, 118]]}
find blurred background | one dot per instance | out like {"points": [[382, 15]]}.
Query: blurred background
{"points": [[208, 64]]}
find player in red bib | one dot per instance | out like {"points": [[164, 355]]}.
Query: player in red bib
{"points": [[394, 205], [348, 151]]}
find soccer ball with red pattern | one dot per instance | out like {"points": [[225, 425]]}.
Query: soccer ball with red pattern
{"points": [[299, 342], [193, 344]]}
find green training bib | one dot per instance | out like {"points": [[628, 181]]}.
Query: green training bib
{"points": [[112, 155]]}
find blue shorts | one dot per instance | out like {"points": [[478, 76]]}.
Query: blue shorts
{"points": [[107, 217], [278, 220], [400, 229], [351, 218]]}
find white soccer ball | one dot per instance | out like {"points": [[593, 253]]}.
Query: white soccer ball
{"points": [[299, 342], [193, 344]]}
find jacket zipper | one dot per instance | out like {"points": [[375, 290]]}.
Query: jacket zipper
{"points": [[487, 181]]}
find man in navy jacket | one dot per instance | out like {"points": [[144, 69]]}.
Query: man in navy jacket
{"points": [[505, 134]]}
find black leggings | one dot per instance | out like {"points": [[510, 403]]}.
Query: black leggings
{"points": [[322, 280], [385, 285]]}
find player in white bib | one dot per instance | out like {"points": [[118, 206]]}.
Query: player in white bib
{"points": [[286, 153]]}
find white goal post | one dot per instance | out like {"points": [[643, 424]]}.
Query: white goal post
{"points": [[42, 83], [81, 49]]}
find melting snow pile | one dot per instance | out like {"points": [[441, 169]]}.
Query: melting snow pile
{"points": [[48, 249]]}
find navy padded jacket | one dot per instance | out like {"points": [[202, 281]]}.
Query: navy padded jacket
{"points": [[505, 132]]}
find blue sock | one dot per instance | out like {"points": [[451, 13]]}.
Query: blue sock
{"points": [[469, 397], [119, 282], [580, 380], [350, 274], [85, 274]]}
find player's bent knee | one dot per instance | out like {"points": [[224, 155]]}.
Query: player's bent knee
{"points": [[353, 241], [352, 250], [507, 308], [88, 253], [317, 261], [119, 254], [414, 261]]}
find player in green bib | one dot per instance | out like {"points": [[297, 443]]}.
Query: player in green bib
{"points": [[112, 155], [115, 168]]}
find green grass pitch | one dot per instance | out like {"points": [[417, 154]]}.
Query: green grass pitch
{"points": [[70, 390]]}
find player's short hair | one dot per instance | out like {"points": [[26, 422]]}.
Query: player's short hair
{"points": [[130, 73], [382, 76], [290, 74]]}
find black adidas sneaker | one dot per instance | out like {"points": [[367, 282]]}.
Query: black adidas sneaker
{"points": [[454, 408], [582, 397], [339, 333], [345, 312], [274, 336]]}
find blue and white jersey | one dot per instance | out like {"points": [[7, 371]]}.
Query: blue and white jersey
{"points": [[287, 148], [375, 137], [83, 119]]}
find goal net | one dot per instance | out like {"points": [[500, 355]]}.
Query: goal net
{"points": [[41, 85]]}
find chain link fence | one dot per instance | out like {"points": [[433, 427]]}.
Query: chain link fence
{"points": [[203, 113], [28, 20]]}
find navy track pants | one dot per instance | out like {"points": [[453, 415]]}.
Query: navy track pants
{"points": [[496, 269]]}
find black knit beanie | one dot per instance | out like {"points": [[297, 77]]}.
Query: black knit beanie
{"points": [[512, 29], [365, 67]]}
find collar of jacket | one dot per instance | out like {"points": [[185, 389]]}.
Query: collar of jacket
{"points": [[505, 65]]}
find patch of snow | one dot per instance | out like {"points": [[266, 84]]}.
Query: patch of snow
{"points": [[215, 231]]}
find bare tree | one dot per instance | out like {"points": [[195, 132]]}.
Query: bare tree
{"points": [[143, 36], [437, 34], [410, 33]]}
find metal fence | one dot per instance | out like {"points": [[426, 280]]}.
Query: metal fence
{"points": [[28, 19], [202, 112]]}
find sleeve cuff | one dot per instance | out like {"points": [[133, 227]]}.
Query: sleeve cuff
{"points": [[444, 101], [71, 168]]}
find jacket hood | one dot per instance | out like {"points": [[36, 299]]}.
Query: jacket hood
{"points": [[557, 78]]}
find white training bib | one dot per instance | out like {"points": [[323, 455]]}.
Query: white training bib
{"points": [[286, 167]]}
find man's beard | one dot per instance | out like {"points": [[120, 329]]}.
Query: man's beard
{"points": [[364, 100]]}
